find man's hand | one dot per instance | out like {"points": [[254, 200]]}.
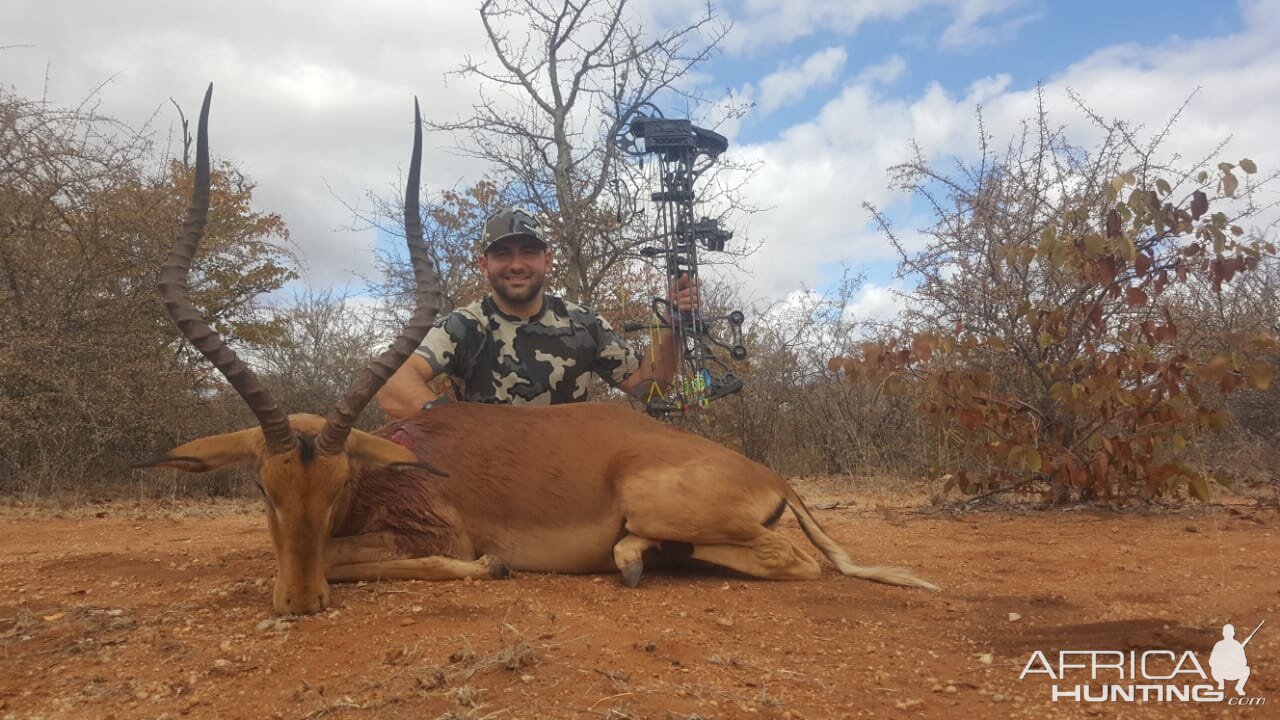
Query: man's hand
{"points": [[684, 297], [406, 390]]}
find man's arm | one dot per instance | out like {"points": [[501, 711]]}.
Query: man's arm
{"points": [[406, 391], [662, 361], [659, 364]]}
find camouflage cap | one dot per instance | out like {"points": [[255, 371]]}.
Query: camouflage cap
{"points": [[511, 222]]}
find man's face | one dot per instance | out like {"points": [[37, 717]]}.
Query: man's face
{"points": [[517, 268]]}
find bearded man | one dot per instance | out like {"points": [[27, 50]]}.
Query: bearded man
{"points": [[520, 345]]}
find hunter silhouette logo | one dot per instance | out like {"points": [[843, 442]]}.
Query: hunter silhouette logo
{"points": [[1228, 661], [1096, 676]]}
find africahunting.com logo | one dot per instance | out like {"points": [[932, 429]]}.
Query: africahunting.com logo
{"points": [[1096, 676]]}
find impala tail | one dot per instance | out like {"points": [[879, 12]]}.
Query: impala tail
{"points": [[841, 559]]}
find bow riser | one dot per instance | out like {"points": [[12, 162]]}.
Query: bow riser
{"points": [[683, 152]]}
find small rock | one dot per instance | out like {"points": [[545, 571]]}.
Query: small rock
{"points": [[951, 689], [724, 622], [225, 646], [222, 664], [597, 579], [1014, 617], [986, 658], [407, 622], [526, 679], [997, 698]]}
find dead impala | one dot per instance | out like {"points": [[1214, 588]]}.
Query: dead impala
{"points": [[470, 490]]}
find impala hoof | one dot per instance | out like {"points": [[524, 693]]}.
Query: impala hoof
{"points": [[631, 573], [498, 570]]}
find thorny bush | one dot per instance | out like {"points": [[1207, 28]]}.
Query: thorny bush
{"points": [[1045, 345]]}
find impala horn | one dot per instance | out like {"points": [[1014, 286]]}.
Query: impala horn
{"points": [[337, 424], [177, 300]]}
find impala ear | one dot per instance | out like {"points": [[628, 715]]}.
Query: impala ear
{"points": [[420, 465], [373, 450], [211, 453]]}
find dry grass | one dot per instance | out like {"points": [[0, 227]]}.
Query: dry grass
{"points": [[175, 508]]}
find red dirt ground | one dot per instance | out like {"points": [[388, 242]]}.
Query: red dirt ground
{"points": [[163, 611]]}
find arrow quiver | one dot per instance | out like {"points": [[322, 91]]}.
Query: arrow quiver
{"points": [[682, 152]]}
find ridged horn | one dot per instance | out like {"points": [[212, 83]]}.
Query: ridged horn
{"points": [[177, 300], [429, 299]]}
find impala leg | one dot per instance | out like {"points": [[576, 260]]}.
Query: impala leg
{"points": [[360, 549], [423, 568], [627, 556], [770, 556]]}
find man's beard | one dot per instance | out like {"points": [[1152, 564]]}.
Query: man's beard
{"points": [[517, 297]]}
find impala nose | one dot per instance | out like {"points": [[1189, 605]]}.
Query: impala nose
{"points": [[302, 602]]}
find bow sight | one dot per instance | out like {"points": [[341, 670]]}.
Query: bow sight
{"points": [[684, 151]]}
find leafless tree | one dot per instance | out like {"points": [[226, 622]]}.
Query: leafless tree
{"points": [[564, 80], [325, 338]]}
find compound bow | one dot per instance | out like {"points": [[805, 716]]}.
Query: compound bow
{"points": [[684, 151]]}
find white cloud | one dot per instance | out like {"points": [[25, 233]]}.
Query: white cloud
{"points": [[317, 95], [876, 304], [870, 307], [884, 73], [791, 83], [816, 175], [308, 95], [765, 23], [986, 88], [787, 85], [968, 30], [762, 23]]}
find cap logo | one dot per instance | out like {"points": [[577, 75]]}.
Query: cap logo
{"points": [[511, 221]]}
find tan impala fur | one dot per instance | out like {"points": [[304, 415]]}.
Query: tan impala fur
{"points": [[581, 488], [470, 490]]}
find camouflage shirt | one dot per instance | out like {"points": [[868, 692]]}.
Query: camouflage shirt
{"points": [[494, 357]]}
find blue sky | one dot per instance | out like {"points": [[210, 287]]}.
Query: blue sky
{"points": [[866, 81], [1049, 37], [312, 98]]}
